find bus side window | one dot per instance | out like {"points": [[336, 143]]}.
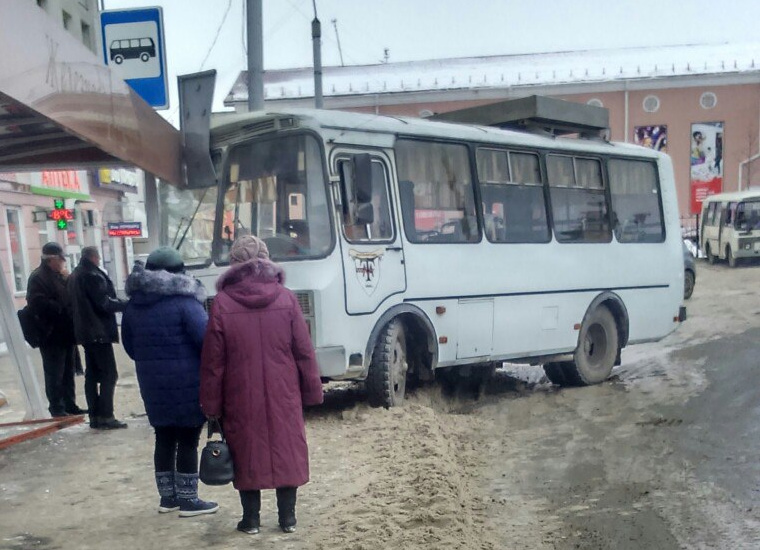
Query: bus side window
{"points": [[443, 204], [579, 204]]}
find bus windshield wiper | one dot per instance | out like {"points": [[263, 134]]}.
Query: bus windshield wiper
{"points": [[191, 220]]}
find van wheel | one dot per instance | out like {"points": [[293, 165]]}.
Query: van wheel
{"points": [[144, 57], [595, 355], [711, 259], [730, 256], [118, 59], [386, 381], [688, 284]]}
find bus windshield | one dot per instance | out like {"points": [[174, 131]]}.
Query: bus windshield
{"points": [[275, 189], [187, 221]]}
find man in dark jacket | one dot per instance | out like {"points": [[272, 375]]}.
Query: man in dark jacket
{"points": [[95, 306], [48, 298]]}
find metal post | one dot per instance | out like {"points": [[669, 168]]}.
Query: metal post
{"points": [[316, 35], [35, 405], [152, 212], [255, 56]]}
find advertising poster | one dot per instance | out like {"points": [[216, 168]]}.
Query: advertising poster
{"points": [[706, 162], [652, 137]]}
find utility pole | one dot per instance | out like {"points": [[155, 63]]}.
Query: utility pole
{"points": [[316, 38], [255, 55], [337, 37]]}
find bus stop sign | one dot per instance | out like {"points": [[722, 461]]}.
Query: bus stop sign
{"points": [[134, 47]]}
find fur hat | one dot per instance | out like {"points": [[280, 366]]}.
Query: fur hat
{"points": [[166, 258]]}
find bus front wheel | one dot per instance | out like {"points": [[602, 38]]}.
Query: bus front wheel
{"points": [[118, 59], [711, 259], [595, 355], [731, 257], [386, 381]]}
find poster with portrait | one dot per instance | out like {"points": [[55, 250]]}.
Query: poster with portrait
{"points": [[652, 137], [706, 157]]}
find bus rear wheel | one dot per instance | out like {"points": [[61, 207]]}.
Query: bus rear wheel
{"points": [[595, 355], [386, 381]]}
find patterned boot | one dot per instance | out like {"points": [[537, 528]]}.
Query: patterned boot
{"points": [[187, 496], [165, 484]]}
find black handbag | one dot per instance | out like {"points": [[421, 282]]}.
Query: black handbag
{"points": [[216, 460], [30, 326]]}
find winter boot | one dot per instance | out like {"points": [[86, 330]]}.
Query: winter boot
{"points": [[187, 496], [165, 484], [286, 508], [251, 501]]}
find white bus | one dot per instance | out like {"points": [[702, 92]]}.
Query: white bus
{"points": [[417, 246], [730, 226]]}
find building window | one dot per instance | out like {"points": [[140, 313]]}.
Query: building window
{"points": [[708, 100], [46, 232], [86, 35], [66, 20], [651, 104], [17, 248]]}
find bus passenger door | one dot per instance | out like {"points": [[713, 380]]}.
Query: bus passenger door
{"points": [[373, 256]]}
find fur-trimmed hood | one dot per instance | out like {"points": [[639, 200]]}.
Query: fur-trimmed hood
{"points": [[254, 283], [145, 286]]}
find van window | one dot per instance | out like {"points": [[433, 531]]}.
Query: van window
{"points": [[437, 199], [578, 201], [635, 195]]}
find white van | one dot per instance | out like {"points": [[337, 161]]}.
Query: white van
{"points": [[730, 226]]}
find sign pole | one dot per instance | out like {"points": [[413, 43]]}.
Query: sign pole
{"points": [[35, 405]]}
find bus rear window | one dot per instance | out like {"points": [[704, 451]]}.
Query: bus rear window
{"points": [[635, 197]]}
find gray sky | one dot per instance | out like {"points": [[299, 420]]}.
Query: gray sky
{"points": [[433, 29]]}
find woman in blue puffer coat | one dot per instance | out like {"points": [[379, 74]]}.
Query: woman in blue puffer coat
{"points": [[162, 330]]}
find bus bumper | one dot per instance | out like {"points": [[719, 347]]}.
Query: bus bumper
{"points": [[332, 361]]}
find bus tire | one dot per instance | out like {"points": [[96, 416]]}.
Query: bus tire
{"points": [[144, 57], [597, 348], [386, 380], [118, 59], [688, 284], [731, 257], [711, 259]]}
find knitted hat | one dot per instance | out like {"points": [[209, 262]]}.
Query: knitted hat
{"points": [[248, 247], [166, 258], [52, 250]]}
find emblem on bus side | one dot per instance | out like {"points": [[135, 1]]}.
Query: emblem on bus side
{"points": [[367, 268]]}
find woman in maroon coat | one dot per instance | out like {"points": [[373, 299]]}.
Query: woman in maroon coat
{"points": [[257, 371]]}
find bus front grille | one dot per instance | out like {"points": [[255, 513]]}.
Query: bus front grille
{"points": [[306, 302]]}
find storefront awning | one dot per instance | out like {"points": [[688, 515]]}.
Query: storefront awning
{"points": [[61, 107]]}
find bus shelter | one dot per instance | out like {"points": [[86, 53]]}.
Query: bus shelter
{"points": [[62, 108]]}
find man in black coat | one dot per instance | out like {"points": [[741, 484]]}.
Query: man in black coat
{"points": [[95, 307], [48, 299]]}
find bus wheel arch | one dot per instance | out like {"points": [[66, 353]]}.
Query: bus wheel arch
{"points": [[407, 326]]}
